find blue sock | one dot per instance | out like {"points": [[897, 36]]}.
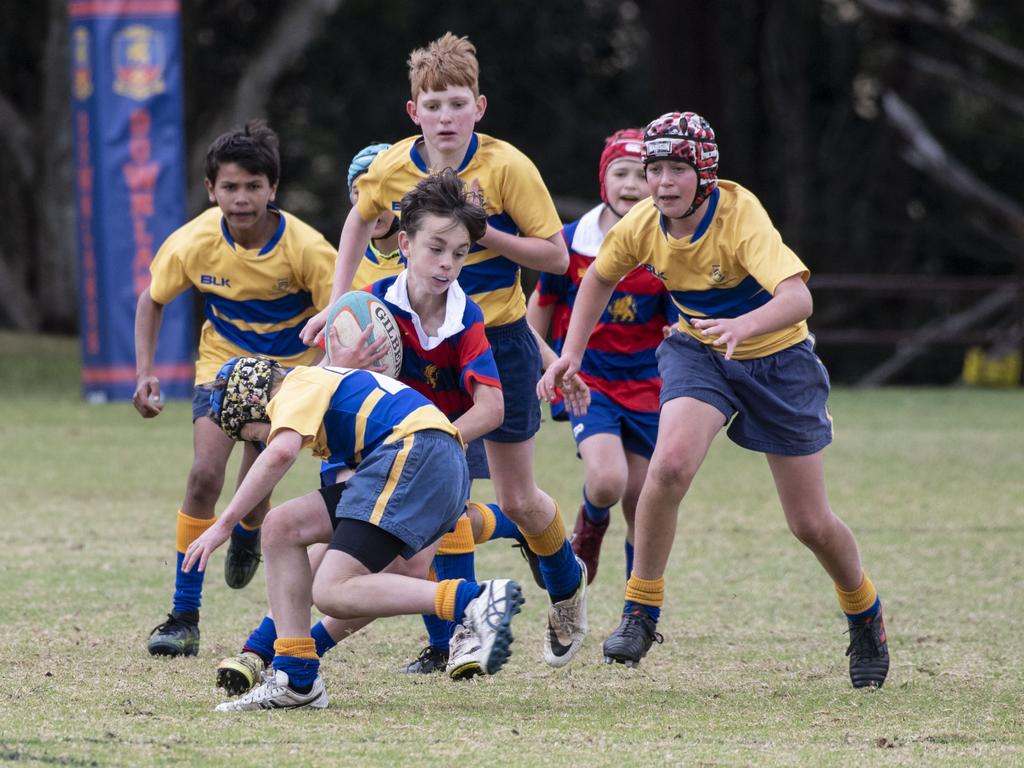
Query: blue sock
{"points": [[629, 560], [504, 528], [466, 593], [261, 641], [596, 515], [651, 610], [301, 672], [869, 613], [460, 566], [188, 588], [322, 638], [243, 533], [561, 572]]}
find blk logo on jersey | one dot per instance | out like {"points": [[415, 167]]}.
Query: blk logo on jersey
{"points": [[220, 282]]}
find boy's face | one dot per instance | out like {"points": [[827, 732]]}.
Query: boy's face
{"points": [[673, 186], [241, 196], [447, 118], [625, 184], [436, 254], [381, 224]]}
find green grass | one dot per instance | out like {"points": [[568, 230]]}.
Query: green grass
{"points": [[752, 671]]}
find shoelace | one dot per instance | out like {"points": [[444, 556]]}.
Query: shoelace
{"points": [[636, 624], [492, 613], [863, 640]]}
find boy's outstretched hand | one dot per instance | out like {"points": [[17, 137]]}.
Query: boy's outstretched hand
{"points": [[729, 332], [366, 355], [199, 551], [554, 375]]}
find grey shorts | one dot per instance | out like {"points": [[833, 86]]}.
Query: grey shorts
{"points": [[777, 404]]}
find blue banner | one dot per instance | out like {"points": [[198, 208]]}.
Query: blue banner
{"points": [[127, 116]]}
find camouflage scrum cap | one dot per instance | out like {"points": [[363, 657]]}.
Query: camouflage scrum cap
{"points": [[241, 394]]}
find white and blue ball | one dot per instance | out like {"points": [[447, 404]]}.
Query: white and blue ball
{"points": [[352, 313]]}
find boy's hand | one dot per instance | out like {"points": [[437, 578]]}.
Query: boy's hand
{"points": [[199, 551], [312, 332], [147, 400], [563, 368], [576, 394], [729, 331], [365, 355]]}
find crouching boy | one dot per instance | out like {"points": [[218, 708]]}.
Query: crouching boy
{"points": [[409, 486]]}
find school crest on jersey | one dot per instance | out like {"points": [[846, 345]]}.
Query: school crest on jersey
{"points": [[283, 284], [623, 310], [716, 274], [430, 374], [140, 57]]}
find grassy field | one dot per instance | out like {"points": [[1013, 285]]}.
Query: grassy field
{"points": [[752, 671]]}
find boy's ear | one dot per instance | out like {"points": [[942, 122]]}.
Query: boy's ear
{"points": [[481, 107], [209, 190], [403, 242], [410, 110], [273, 191]]}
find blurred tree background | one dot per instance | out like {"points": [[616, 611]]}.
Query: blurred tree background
{"points": [[885, 137]]}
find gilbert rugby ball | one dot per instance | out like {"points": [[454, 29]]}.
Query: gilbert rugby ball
{"points": [[353, 312]]}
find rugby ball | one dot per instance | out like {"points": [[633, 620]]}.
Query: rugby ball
{"points": [[352, 313]]}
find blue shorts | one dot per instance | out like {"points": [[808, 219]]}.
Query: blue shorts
{"points": [[201, 401], [638, 430], [476, 458], [780, 402], [415, 489], [518, 358]]}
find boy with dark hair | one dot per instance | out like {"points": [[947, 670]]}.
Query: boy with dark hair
{"points": [[262, 273], [523, 230], [742, 356]]}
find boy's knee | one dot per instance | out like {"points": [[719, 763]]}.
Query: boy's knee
{"points": [[205, 483], [814, 531], [277, 531], [605, 490], [674, 473]]}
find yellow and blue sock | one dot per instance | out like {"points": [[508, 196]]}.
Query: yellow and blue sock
{"points": [[455, 559], [647, 595], [297, 657], [861, 603], [558, 564], [188, 587], [452, 597], [261, 641], [629, 559], [496, 524], [595, 514]]}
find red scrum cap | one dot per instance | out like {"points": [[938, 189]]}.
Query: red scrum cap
{"points": [[629, 142], [685, 137]]}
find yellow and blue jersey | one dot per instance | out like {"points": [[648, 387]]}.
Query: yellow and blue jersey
{"points": [[729, 266], [344, 414], [515, 198], [377, 265], [256, 301]]}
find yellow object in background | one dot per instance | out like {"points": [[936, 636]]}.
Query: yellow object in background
{"points": [[982, 369]]}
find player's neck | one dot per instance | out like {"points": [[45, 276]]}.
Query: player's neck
{"points": [[386, 245], [429, 307], [255, 237], [607, 219], [438, 161]]}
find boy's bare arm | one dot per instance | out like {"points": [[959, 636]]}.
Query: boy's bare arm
{"points": [[539, 316], [355, 236], [592, 298], [486, 414], [264, 475], [543, 254], [148, 318], [790, 304]]}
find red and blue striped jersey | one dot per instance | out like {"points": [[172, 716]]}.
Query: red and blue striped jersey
{"points": [[619, 361], [444, 373]]}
